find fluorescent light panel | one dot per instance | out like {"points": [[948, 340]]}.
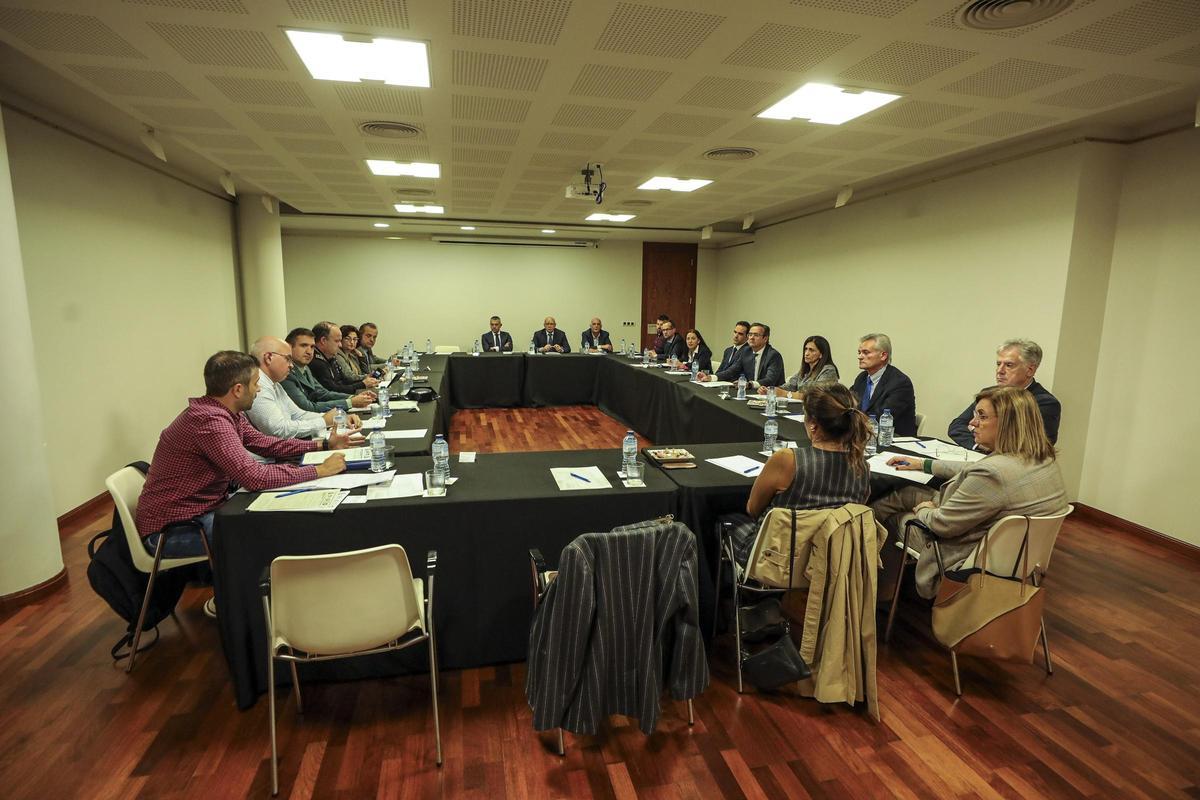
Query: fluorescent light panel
{"points": [[416, 169], [409, 208], [382, 225], [330, 57], [599, 217], [826, 104], [674, 184], [466, 227], [549, 230]]}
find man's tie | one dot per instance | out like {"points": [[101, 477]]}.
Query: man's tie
{"points": [[866, 400]]}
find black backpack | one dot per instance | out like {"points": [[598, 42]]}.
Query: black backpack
{"points": [[123, 586]]}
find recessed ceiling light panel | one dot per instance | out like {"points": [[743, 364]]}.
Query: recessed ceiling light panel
{"points": [[549, 230], [826, 104], [674, 184], [416, 169], [382, 225], [410, 208], [599, 217], [331, 57]]}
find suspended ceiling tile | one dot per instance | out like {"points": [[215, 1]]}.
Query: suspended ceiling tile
{"points": [[645, 30]]}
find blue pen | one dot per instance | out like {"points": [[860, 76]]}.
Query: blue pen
{"points": [[294, 491], [577, 475], [752, 469], [918, 444]]}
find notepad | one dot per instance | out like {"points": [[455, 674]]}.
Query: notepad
{"points": [[879, 466], [932, 448], [413, 434], [347, 480], [322, 500], [572, 479], [408, 485], [314, 457], [742, 465]]}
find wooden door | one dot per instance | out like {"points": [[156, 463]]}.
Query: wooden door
{"points": [[668, 286]]}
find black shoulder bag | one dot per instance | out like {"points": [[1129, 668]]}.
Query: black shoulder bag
{"points": [[779, 663]]}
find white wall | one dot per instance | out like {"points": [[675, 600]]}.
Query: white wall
{"points": [[1143, 429], [948, 270], [130, 277], [415, 289]]}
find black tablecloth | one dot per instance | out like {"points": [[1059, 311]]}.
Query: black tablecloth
{"points": [[561, 379], [490, 380], [500, 507]]}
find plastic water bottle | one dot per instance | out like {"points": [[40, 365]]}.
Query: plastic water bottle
{"points": [[379, 451], [339, 419], [406, 382], [475, 349], [646, 357], [416, 362], [383, 398], [771, 402], [741, 393], [623, 348], [887, 428], [408, 349], [871, 448], [770, 434], [441, 456], [428, 346], [629, 448], [695, 371]]}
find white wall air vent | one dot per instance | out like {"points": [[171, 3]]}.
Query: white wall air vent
{"points": [[390, 130], [512, 241], [999, 15]]}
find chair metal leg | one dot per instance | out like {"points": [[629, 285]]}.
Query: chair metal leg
{"points": [[433, 672], [141, 620], [271, 712], [296, 687], [562, 746], [691, 713], [737, 641], [717, 593], [887, 632], [1046, 649], [954, 664]]}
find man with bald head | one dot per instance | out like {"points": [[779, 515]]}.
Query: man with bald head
{"points": [[274, 412], [596, 339], [550, 339]]}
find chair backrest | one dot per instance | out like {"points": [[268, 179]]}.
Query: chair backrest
{"points": [[920, 420], [447, 348], [344, 602], [1005, 540], [125, 486]]}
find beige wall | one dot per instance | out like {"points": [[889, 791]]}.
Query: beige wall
{"points": [[948, 270], [1143, 431], [131, 284], [415, 289]]}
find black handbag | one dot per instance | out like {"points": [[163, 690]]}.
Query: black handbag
{"points": [[778, 663], [761, 621]]}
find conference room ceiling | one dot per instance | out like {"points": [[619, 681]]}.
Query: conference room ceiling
{"points": [[525, 92]]}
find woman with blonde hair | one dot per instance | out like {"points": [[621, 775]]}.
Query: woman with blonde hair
{"points": [[829, 474], [1020, 476]]}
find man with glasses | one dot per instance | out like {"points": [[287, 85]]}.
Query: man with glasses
{"points": [[671, 344], [274, 413], [304, 388], [1016, 362], [881, 385]]}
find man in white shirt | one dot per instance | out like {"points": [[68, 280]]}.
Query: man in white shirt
{"points": [[274, 412]]}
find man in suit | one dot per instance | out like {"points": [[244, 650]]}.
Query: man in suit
{"points": [[672, 343], [325, 367], [550, 339], [1016, 362], [368, 332], [496, 340], [730, 366], [881, 385], [304, 389], [763, 365], [595, 338]]}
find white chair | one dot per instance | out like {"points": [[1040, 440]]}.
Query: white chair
{"points": [[443, 349], [324, 607], [1006, 540], [125, 486], [920, 421]]}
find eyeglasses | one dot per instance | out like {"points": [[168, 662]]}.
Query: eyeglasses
{"points": [[288, 356]]}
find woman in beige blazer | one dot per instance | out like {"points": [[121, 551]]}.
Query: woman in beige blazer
{"points": [[346, 357], [1019, 476]]}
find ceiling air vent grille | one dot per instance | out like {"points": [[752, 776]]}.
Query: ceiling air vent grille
{"points": [[390, 130], [731, 154], [412, 191], [999, 15]]}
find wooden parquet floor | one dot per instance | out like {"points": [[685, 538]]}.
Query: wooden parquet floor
{"points": [[1119, 718]]}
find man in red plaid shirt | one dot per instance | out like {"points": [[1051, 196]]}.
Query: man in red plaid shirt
{"points": [[205, 449]]}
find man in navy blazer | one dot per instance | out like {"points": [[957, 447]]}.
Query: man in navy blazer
{"points": [[672, 343], [496, 340], [595, 338], [550, 339], [881, 385], [730, 366], [1016, 362]]}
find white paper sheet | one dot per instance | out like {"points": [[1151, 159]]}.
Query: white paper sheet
{"points": [[794, 417], [570, 479], [879, 466], [679, 372], [321, 500], [466, 457], [714, 384], [409, 485], [374, 424], [352, 454], [742, 465], [932, 448], [349, 480], [355, 499], [413, 434]]}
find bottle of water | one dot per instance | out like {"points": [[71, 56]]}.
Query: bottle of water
{"points": [[695, 370], [771, 402], [770, 434], [887, 428], [623, 349], [408, 349], [379, 451], [741, 386], [629, 448], [441, 456], [532, 347], [406, 382], [416, 362], [871, 448], [339, 419], [646, 357], [383, 399], [475, 349], [428, 346]]}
